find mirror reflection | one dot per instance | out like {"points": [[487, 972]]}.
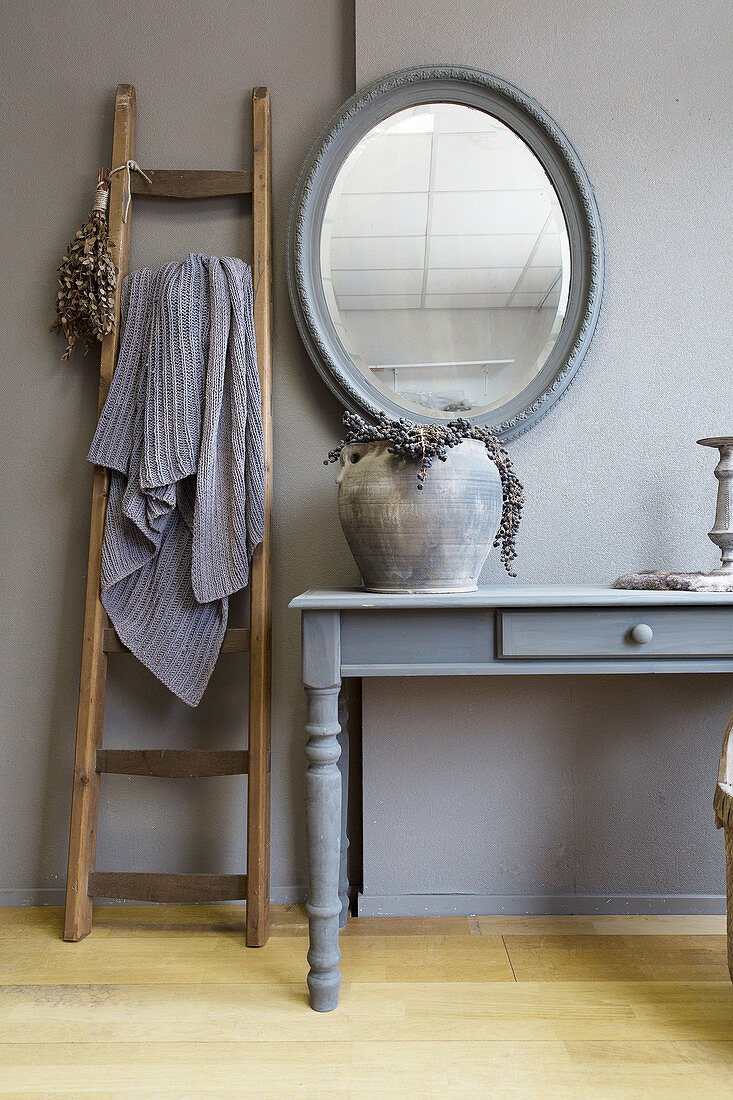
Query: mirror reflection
{"points": [[445, 260]]}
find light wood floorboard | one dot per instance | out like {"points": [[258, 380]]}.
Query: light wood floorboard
{"points": [[166, 1001]]}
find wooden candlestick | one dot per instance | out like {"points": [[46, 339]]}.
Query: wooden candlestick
{"points": [[722, 531]]}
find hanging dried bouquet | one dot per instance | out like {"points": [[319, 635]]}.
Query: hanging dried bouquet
{"points": [[87, 279]]}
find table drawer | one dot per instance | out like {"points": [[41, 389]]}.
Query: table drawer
{"points": [[429, 637], [615, 632]]}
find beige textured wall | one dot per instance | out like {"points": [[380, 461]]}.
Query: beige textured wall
{"points": [[194, 66]]}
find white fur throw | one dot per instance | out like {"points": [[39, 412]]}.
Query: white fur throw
{"points": [[658, 580]]}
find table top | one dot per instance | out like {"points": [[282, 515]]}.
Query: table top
{"points": [[509, 595]]}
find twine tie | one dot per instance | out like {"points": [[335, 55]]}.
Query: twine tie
{"points": [[128, 167]]}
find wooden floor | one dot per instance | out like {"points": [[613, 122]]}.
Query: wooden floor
{"points": [[168, 1002]]}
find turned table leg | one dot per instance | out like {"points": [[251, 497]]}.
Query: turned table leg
{"points": [[343, 740], [321, 676]]}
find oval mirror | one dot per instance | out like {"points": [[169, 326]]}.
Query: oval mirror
{"points": [[445, 252]]}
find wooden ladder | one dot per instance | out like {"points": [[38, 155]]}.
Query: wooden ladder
{"points": [[83, 881]]}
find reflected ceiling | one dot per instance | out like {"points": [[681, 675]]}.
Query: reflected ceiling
{"points": [[443, 209]]}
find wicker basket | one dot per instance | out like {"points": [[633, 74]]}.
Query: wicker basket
{"points": [[723, 806]]}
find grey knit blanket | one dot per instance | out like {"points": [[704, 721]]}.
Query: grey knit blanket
{"points": [[181, 431]]}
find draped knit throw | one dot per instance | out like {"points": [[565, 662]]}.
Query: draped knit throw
{"points": [[181, 432]]}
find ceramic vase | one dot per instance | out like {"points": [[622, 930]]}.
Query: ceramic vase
{"points": [[406, 539]]}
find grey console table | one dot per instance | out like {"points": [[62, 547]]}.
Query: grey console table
{"points": [[503, 631]]}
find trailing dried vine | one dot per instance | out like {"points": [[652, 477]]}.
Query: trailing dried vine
{"points": [[422, 443]]}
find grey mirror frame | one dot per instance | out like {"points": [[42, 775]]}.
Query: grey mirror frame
{"points": [[553, 148]]}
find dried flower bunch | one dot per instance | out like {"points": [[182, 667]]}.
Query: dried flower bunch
{"points": [[422, 443], [87, 280]]}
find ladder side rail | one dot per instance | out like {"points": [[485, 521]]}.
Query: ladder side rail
{"points": [[260, 662], [90, 715]]}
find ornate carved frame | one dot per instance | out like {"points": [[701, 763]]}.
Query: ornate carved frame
{"points": [[557, 155]]}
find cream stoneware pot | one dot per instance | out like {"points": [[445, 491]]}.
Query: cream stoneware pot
{"points": [[405, 539]]}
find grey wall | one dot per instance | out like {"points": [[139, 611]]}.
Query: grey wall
{"points": [[613, 477], [194, 66], [601, 785]]}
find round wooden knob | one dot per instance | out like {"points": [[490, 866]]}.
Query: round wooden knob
{"points": [[641, 634]]}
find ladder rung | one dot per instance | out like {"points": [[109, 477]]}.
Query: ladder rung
{"points": [[173, 763], [191, 184], [236, 640], [135, 886]]}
